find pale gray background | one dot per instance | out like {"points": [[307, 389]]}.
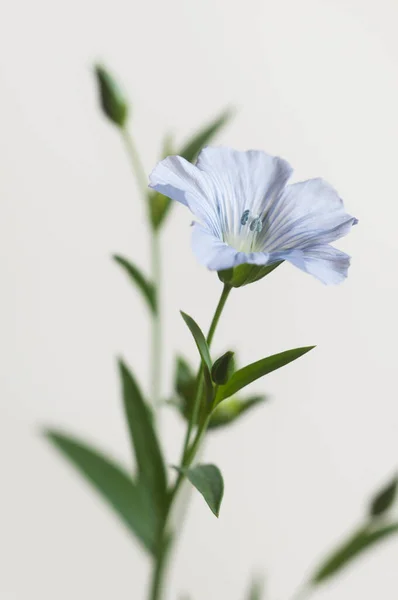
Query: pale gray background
{"points": [[313, 81]]}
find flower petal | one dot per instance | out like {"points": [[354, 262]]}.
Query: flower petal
{"points": [[178, 179], [216, 255], [242, 181], [326, 263], [306, 214]]}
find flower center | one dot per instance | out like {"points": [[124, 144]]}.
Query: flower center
{"points": [[245, 239]]}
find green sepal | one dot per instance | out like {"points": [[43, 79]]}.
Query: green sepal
{"points": [[112, 99], [223, 368], [384, 499], [245, 274], [231, 410], [207, 479]]}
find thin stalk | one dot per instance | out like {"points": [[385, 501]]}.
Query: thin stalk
{"points": [[188, 455], [199, 385], [156, 350], [156, 345]]}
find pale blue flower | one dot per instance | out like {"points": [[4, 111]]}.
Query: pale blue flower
{"points": [[246, 212]]}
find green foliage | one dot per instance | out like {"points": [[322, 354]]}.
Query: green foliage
{"points": [[207, 479], [224, 414], [150, 463], [353, 548], [245, 274], [159, 204], [255, 590], [204, 352], [146, 287], [129, 500], [250, 373], [201, 138], [113, 101], [231, 409], [223, 368], [384, 499]]}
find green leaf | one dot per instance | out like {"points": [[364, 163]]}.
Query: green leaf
{"points": [[200, 340], [146, 287], [384, 499], [129, 500], [195, 144], [145, 444], [359, 542], [223, 368], [207, 479], [250, 373], [204, 352], [113, 101], [231, 409]]}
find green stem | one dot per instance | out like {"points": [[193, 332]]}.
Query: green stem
{"points": [[156, 346], [199, 386], [188, 455], [156, 350], [136, 163]]}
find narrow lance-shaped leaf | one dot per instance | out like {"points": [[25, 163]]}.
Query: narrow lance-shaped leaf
{"points": [[204, 352], [200, 340], [250, 373], [354, 547], [207, 479], [145, 444], [145, 286], [384, 499], [195, 144], [129, 500]]}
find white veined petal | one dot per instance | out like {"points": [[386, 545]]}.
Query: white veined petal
{"points": [[306, 214], [243, 181], [326, 263], [178, 179]]}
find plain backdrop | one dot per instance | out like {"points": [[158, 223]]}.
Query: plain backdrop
{"points": [[314, 81]]}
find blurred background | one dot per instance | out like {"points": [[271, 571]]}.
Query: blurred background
{"points": [[314, 81]]}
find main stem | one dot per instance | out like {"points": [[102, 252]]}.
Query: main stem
{"points": [[188, 455], [156, 350], [156, 346]]}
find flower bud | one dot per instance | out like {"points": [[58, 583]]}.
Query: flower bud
{"points": [[223, 368], [113, 101]]}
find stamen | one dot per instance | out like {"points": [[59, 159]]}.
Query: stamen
{"points": [[256, 225], [245, 217]]}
